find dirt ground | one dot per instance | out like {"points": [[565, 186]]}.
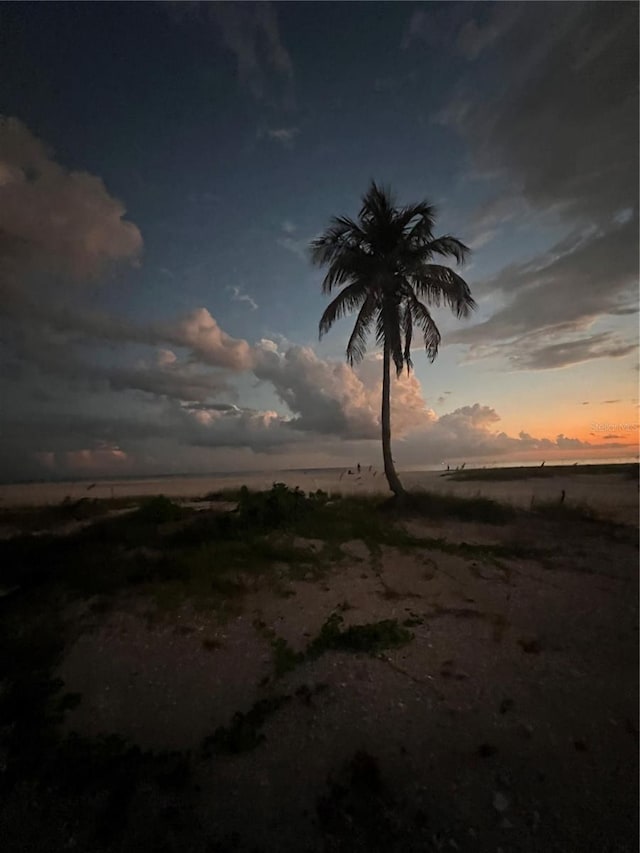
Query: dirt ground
{"points": [[508, 723]]}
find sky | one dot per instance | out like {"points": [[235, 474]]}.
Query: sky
{"points": [[164, 167]]}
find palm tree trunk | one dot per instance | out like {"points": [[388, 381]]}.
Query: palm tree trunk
{"points": [[390, 472]]}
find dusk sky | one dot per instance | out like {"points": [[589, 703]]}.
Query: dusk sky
{"points": [[163, 168]]}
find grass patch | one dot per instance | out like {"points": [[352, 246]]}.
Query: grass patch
{"points": [[627, 470], [434, 505], [285, 659], [49, 517], [160, 510], [370, 638], [244, 733], [558, 511]]}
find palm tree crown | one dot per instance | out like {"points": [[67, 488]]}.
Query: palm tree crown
{"points": [[382, 265]]}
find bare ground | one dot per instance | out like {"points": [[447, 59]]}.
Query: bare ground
{"points": [[509, 722]]}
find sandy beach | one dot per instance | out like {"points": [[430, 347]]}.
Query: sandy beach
{"points": [[337, 680], [611, 494]]}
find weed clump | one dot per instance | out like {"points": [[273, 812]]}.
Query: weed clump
{"points": [[159, 510], [478, 508], [244, 732], [280, 507], [372, 637]]}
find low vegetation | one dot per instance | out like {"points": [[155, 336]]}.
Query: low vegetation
{"points": [[370, 638], [161, 550], [479, 509], [627, 471]]}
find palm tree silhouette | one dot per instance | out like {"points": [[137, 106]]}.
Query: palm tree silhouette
{"points": [[382, 266]]}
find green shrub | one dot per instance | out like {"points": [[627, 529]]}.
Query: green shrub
{"points": [[280, 507], [159, 510]]}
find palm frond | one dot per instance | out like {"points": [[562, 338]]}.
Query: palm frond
{"points": [[388, 332], [345, 302], [349, 264], [439, 284], [425, 215], [382, 263], [357, 345], [407, 324], [342, 233], [449, 247], [424, 320], [378, 204]]}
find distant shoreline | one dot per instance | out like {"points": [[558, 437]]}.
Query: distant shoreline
{"points": [[611, 488], [144, 478]]}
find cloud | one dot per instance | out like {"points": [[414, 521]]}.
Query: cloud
{"points": [[285, 135], [157, 413], [482, 238], [297, 247], [471, 432], [529, 353], [433, 26], [237, 295], [573, 78], [476, 36], [573, 75], [562, 291], [166, 357], [262, 431], [330, 398], [471, 29], [250, 31], [55, 224], [201, 333]]}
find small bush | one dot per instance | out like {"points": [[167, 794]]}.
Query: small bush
{"points": [[465, 509], [371, 638], [244, 733], [159, 510], [280, 507]]}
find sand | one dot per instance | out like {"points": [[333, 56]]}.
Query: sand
{"points": [[509, 722], [612, 495]]}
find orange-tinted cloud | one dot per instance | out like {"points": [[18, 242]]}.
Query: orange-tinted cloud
{"points": [[52, 219]]}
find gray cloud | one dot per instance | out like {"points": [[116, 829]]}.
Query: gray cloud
{"points": [[286, 136], [250, 31], [573, 79], [297, 246], [574, 75], [529, 353], [238, 295], [559, 293], [471, 27]]}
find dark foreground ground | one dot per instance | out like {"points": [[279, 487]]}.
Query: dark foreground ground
{"points": [[306, 674]]}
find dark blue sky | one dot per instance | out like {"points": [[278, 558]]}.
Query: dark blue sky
{"points": [[230, 133]]}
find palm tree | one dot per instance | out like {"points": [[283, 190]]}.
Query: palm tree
{"points": [[382, 266]]}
